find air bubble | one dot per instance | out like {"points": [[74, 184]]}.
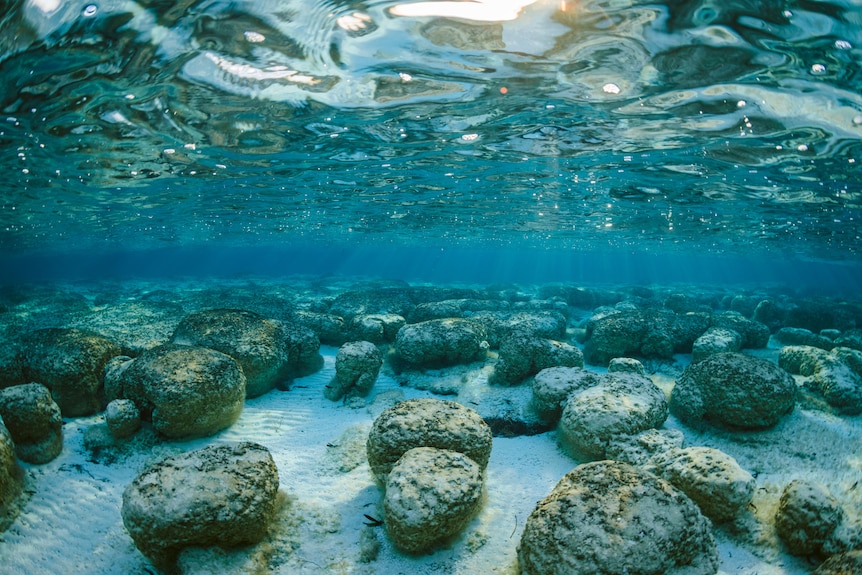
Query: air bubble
{"points": [[90, 10], [611, 89], [818, 69], [843, 44]]}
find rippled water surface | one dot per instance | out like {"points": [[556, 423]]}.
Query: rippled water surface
{"points": [[727, 127]]}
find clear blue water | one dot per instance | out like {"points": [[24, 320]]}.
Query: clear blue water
{"points": [[496, 140]]}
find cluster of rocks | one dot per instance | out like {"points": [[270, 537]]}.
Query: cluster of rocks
{"points": [[430, 455]]}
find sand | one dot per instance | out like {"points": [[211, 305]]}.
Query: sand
{"points": [[72, 523]]}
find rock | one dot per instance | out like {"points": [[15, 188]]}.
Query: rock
{"points": [[260, 346], [70, 363], [716, 340], [329, 328], [710, 477], [754, 334], [431, 495], [33, 419], [807, 517], [626, 365], [836, 375], [648, 333], [376, 328], [800, 336], [123, 418], [621, 405], [851, 338], [357, 365], [769, 314], [845, 563], [523, 354], [608, 518], [426, 423], [185, 391], [11, 365], [440, 343], [500, 325], [221, 496], [384, 300], [733, 390], [637, 449], [553, 385], [11, 480]]}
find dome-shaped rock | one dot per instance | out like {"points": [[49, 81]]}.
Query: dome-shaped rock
{"points": [[33, 419]]}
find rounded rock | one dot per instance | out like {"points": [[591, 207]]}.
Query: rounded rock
{"points": [[11, 479], [715, 340], [34, 421], [357, 366], [844, 563], [123, 418], [426, 423], [431, 495], [553, 385], [221, 496], [607, 518], [522, 354], [807, 516], [733, 390], [440, 343]]}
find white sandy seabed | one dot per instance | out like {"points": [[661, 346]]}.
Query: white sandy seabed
{"points": [[72, 522]]}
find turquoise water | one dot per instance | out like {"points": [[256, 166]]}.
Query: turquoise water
{"points": [[495, 140]]}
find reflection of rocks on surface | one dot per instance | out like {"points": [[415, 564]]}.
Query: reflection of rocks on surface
{"points": [[221, 496], [33, 420], [609, 518]]}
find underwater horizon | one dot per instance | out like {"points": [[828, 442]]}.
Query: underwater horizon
{"points": [[509, 140]]}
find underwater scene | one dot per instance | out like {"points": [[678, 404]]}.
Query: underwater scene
{"points": [[379, 287]]}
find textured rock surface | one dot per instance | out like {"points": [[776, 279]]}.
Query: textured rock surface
{"points": [[608, 518], [626, 365], [185, 391], [845, 563], [33, 419], [70, 363], [11, 479], [710, 477], [262, 347], [123, 418], [553, 386], [621, 405], [376, 328], [800, 336], [637, 449], [440, 343], [431, 495], [733, 390], [836, 374], [357, 365], [716, 340], [523, 354], [221, 496], [426, 423], [807, 517], [754, 334]]}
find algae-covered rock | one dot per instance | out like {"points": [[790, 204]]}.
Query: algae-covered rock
{"points": [[440, 343], [523, 354], [11, 479], [357, 365], [807, 517], [431, 495], [33, 419], [609, 518]]}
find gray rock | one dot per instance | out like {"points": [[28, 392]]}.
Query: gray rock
{"points": [[807, 517], [426, 423], [710, 477], [329, 328], [431, 495], [553, 385], [357, 365], [222, 496], [11, 480], [754, 334], [123, 418], [500, 325], [637, 449], [621, 405], [262, 347], [733, 390], [851, 338], [440, 343], [376, 328], [185, 391], [844, 563], [33, 419], [626, 365], [70, 363], [836, 375], [769, 313], [608, 518], [11, 365], [800, 336], [716, 340], [523, 354]]}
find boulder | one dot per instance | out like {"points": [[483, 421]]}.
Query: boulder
{"points": [[710, 477], [11, 365], [266, 350], [608, 518], [376, 328], [357, 365], [754, 334], [523, 354], [552, 387], [431, 495], [733, 390], [851, 338], [836, 375], [619, 406], [70, 363], [716, 340], [626, 365], [123, 418], [500, 325], [221, 495], [11, 480], [33, 419], [844, 563], [329, 328], [426, 423], [185, 391], [801, 336], [383, 300], [440, 343], [637, 449], [807, 517]]}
